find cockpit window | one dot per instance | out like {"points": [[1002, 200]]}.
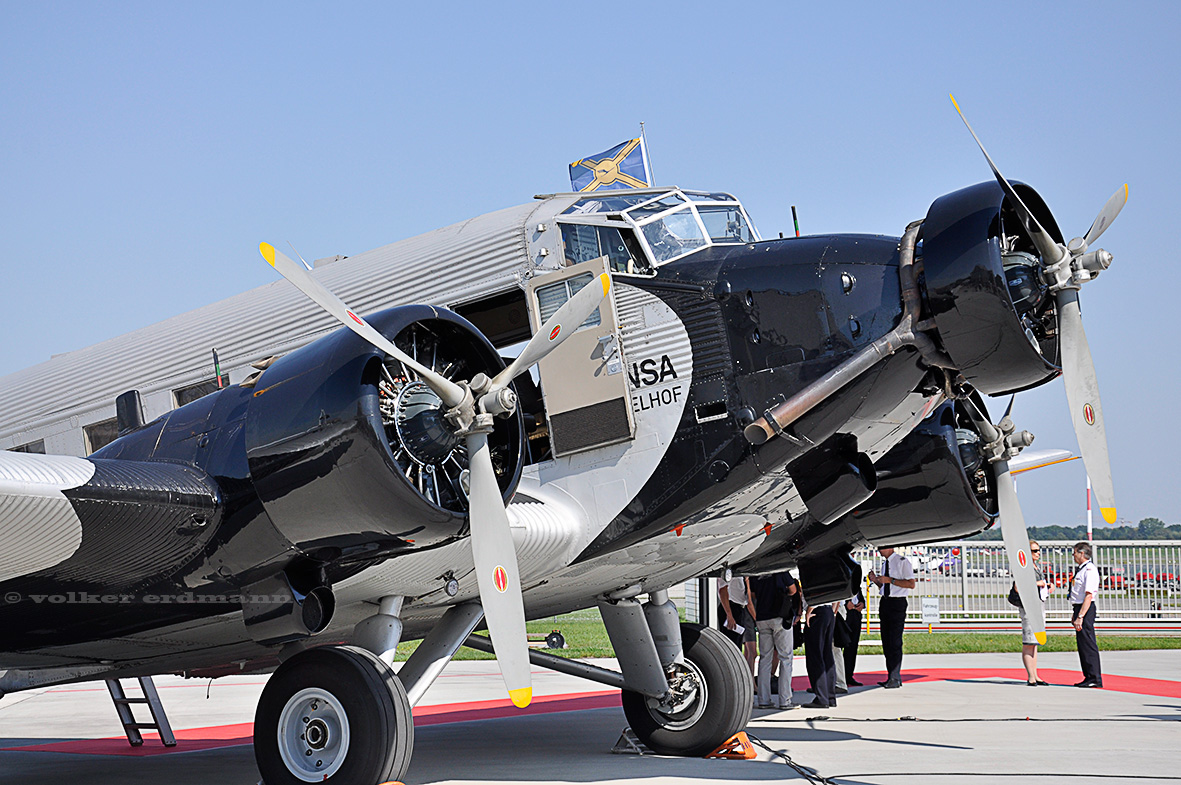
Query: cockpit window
{"points": [[670, 202], [673, 235], [643, 229], [607, 204], [699, 196], [725, 224]]}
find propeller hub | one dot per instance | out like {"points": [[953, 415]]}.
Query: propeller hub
{"points": [[422, 429]]}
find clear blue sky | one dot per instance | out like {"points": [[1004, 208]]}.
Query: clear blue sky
{"points": [[146, 149]]}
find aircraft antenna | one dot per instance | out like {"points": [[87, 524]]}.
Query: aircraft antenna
{"points": [[217, 369], [795, 219], [305, 264]]}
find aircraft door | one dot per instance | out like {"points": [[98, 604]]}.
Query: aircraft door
{"points": [[583, 382]]}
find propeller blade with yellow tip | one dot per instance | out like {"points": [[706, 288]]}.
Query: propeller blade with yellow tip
{"points": [[1107, 215], [1013, 530], [1047, 247], [1082, 396], [497, 574], [561, 325], [1016, 538], [451, 393]]}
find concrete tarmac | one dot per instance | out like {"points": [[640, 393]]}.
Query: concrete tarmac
{"points": [[959, 718]]}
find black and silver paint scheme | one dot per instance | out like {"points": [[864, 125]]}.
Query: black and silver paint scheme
{"points": [[293, 475], [297, 477]]}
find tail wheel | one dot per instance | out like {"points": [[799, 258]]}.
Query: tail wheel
{"points": [[333, 714], [710, 700]]}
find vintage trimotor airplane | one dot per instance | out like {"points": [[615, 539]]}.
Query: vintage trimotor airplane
{"points": [[718, 402]]}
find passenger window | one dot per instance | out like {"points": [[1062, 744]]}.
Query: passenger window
{"points": [[100, 434], [584, 243], [551, 298]]}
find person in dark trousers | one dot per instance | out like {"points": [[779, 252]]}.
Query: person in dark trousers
{"points": [[853, 609], [818, 630], [739, 613], [895, 582], [1083, 591]]}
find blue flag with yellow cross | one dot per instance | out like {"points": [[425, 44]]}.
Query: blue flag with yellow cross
{"points": [[623, 166]]}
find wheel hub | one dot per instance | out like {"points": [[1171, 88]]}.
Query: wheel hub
{"points": [[313, 735], [686, 699], [316, 734]]}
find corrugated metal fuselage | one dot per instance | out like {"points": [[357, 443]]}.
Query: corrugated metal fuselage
{"points": [[759, 321], [709, 342]]}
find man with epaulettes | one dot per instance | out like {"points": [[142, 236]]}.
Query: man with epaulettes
{"points": [[1083, 591]]}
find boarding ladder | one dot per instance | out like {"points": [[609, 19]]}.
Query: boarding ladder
{"points": [[130, 725]]}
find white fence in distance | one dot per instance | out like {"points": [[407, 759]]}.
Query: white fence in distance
{"points": [[1141, 584], [1140, 581]]}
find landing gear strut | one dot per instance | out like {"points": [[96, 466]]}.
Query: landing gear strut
{"points": [[333, 714]]}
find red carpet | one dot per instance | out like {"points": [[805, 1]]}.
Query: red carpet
{"points": [[1133, 684], [194, 739]]}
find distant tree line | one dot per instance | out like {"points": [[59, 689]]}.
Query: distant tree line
{"points": [[1147, 529]]}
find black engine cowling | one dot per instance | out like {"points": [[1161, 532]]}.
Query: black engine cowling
{"points": [[349, 453], [932, 485], [982, 285]]}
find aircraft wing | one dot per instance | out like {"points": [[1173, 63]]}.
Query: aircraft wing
{"points": [[39, 528], [67, 519], [1036, 459]]}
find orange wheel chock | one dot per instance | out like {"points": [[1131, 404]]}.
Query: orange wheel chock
{"points": [[737, 747]]}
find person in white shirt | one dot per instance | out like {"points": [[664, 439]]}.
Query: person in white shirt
{"points": [[739, 613], [1083, 591], [895, 582]]}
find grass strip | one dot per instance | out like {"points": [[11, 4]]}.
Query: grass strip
{"points": [[586, 637]]}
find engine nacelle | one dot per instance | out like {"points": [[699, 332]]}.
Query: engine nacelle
{"points": [[933, 485], [982, 285], [349, 452]]}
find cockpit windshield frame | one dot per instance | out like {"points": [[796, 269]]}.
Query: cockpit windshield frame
{"points": [[666, 222]]}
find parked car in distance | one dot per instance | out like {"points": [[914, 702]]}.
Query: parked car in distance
{"points": [[1055, 576], [949, 566], [1112, 577], [1144, 578]]}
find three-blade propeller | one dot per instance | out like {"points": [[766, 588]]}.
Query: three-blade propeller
{"points": [[471, 407], [1065, 269]]}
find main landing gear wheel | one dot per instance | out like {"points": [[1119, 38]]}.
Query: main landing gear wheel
{"points": [[711, 699], [333, 714]]}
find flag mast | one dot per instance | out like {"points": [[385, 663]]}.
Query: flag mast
{"points": [[647, 156]]}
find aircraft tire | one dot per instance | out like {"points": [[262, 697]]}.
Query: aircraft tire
{"points": [[360, 728], [713, 715]]}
